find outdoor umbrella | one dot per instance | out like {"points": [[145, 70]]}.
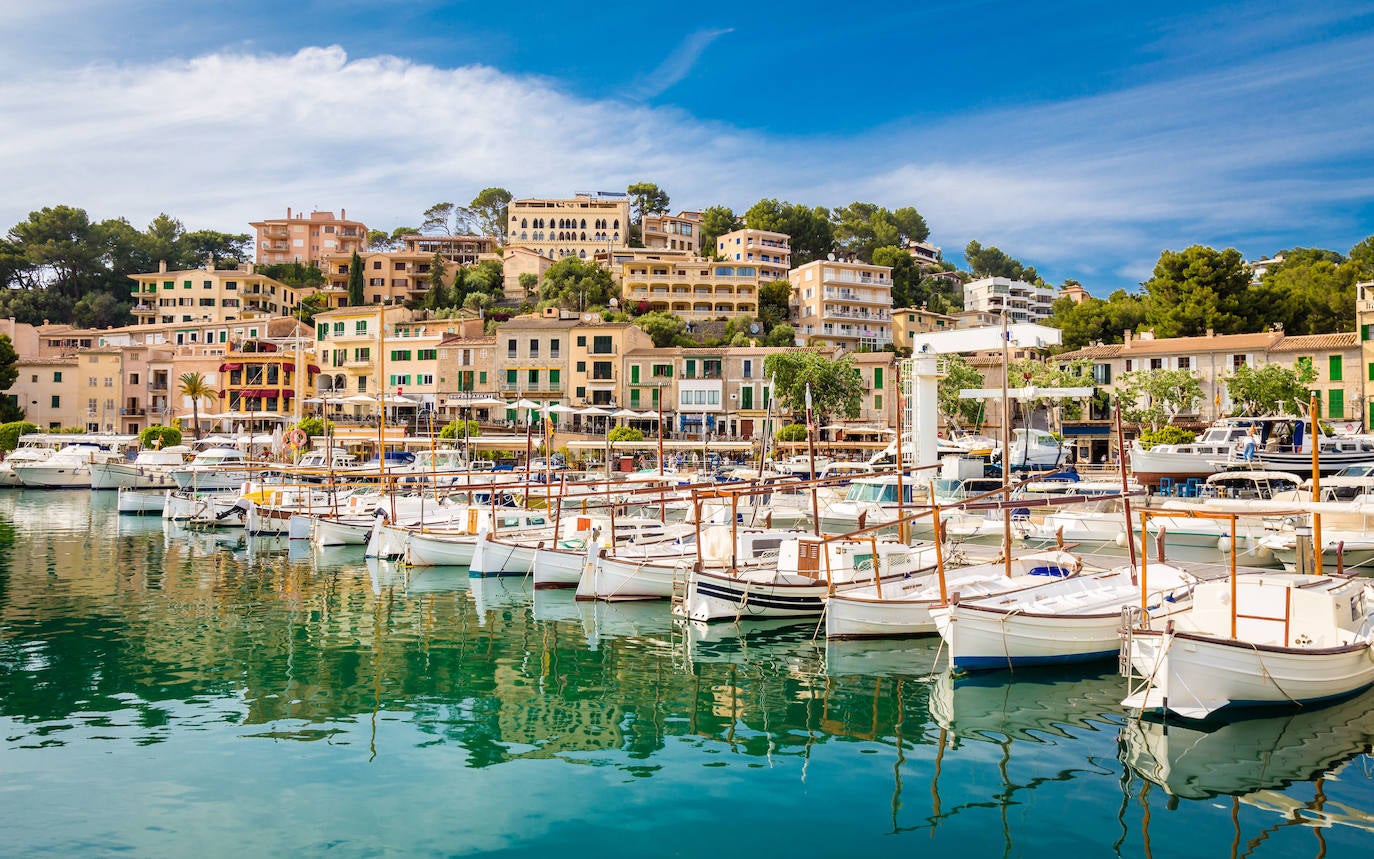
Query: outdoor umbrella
{"points": [[525, 404], [593, 411], [560, 409], [489, 401], [625, 413]]}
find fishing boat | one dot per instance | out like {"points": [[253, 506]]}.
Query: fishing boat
{"points": [[808, 570], [134, 501], [1071, 619], [902, 607], [1178, 462], [456, 543], [1345, 550], [513, 553], [1253, 640], [654, 572]]}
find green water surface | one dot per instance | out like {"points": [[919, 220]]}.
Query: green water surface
{"points": [[168, 693]]}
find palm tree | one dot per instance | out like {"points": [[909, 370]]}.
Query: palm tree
{"points": [[193, 385]]}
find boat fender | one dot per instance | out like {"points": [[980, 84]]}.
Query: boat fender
{"points": [[1120, 539], [1224, 545]]}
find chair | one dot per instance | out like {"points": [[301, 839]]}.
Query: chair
{"points": [[1166, 486]]}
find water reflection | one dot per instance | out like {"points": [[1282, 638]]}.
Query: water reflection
{"points": [[222, 649]]}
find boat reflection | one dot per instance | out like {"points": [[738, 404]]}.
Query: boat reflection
{"points": [[1199, 760]]}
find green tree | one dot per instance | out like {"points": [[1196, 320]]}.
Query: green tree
{"points": [[624, 433], [781, 335], [489, 212], [313, 427], [193, 385], [1269, 390], [99, 310], [1198, 289], [646, 198], [295, 274], [438, 296], [1156, 397], [812, 235], [379, 240], [1362, 258], [905, 273], [1035, 373], [309, 306], [665, 328], [529, 284], [577, 285], [774, 302], [355, 282], [158, 437], [862, 228], [959, 375], [1165, 435], [444, 219], [716, 221], [477, 302], [9, 359], [993, 262], [791, 432], [461, 429], [1309, 293], [12, 430], [1094, 320], [487, 276], [836, 387]]}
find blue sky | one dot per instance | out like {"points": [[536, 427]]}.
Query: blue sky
{"points": [[1082, 138]]}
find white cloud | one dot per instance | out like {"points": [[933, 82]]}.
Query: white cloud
{"points": [[678, 64], [1273, 147]]}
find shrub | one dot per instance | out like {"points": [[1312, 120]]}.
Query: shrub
{"points": [[454, 430], [313, 427], [157, 436], [10, 433], [1165, 435], [792, 432], [625, 434]]}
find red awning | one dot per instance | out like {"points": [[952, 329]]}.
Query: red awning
{"points": [[259, 392], [224, 368], [312, 368]]}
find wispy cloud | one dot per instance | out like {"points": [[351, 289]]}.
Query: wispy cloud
{"points": [[1273, 151], [678, 64]]}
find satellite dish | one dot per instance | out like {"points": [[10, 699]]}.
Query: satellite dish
{"points": [[615, 302], [586, 317], [830, 256], [753, 328]]}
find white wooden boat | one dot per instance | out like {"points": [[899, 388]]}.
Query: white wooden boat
{"points": [[1073, 619], [1254, 640], [903, 608], [141, 502], [514, 552], [807, 571], [653, 571], [455, 543], [1350, 551]]}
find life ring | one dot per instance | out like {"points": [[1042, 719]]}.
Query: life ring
{"points": [[297, 437]]}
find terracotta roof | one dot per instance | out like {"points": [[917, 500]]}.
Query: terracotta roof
{"points": [[1105, 350], [1317, 342]]}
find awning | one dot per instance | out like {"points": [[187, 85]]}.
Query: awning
{"points": [[224, 368], [259, 392], [313, 368]]}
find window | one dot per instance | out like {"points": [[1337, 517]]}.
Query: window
{"points": [[511, 378], [482, 377], [877, 384], [555, 376], [1156, 363], [56, 401], [582, 393], [57, 376], [878, 402], [581, 340], [363, 354], [634, 398], [601, 345], [1237, 361], [634, 374], [553, 347], [534, 378], [510, 348], [338, 328], [748, 369], [601, 370], [90, 381], [1334, 370], [1335, 404], [1102, 374], [1128, 365], [427, 355], [746, 396], [377, 265], [534, 347], [359, 327], [400, 354], [1185, 362], [424, 379], [690, 370], [663, 371], [581, 366]]}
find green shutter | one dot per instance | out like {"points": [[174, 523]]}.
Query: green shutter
{"points": [[691, 371], [634, 374], [482, 377], [634, 397], [555, 376], [1334, 367], [877, 378], [1335, 404], [746, 397], [510, 377]]}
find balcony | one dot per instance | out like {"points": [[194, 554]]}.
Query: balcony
{"points": [[145, 310], [157, 387], [530, 387]]}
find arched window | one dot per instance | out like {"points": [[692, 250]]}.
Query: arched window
{"points": [[582, 254], [584, 235], [523, 224], [584, 224], [524, 236], [616, 237], [616, 225]]}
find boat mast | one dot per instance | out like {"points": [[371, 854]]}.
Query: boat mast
{"points": [[1006, 448]]}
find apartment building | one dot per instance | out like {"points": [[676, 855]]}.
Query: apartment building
{"points": [[533, 357], [680, 232], [843, 304], [467, 371], [211, 295], [598, 349], [516, 261], [577, 226], [1334, 361], [917, 320], [770, 252], [307, 238], [47, 390], [258, 376], [1024, 302], [1364, 326], [404, 274], [686, 285], [878, 405], [923, 253], [348, 343]]}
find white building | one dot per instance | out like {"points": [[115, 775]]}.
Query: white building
{"points": [[1025, 302]]}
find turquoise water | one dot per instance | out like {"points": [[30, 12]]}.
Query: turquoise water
{"points": [[178, 693]]}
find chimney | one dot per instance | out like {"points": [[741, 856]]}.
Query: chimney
{"points": [[162, 266], [251, 266], [1127, 336], [288, 213], [343, 213], [1211, 333]]}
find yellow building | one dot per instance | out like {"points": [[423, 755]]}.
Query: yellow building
{"points": [[347, 345], [1364, 325], [770, 252], [687, 285], [598, 349], [845, 304], [307, 238], [580, 226], [47, 390], [917, 320], [680, 232], [404, 275], [258, 376], [211, 295]]}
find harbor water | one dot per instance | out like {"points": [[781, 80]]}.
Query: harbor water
{"points": [[173, 693]]}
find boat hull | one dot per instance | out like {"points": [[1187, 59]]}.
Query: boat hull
{"points": [[141, 502], [717, 597], [492, 557], [439, 550], [558, 568], [982, 638], [1195, 675]]}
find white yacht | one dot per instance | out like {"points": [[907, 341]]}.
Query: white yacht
{"points": [[213, 469], [151, 469], [70, 467]]}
